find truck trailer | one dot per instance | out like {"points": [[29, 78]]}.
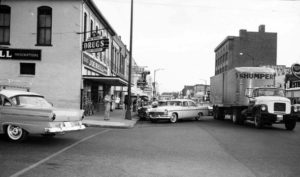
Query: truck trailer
{"points": [[249, 94]]}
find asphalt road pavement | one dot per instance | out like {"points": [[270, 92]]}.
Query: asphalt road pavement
{"points": [[187, 148]]}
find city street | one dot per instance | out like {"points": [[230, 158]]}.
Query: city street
{"points": [[187, 148]]}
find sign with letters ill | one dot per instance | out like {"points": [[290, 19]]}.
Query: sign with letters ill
{"points": [[20, 54]]}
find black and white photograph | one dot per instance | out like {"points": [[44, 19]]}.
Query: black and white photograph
{"points": [[149, 88]]}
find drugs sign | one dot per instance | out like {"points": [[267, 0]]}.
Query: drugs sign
{"points": [[96, 45]]}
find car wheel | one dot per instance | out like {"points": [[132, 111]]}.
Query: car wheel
{"points": [[290, 124], [199, 116], [173, 118], [258, 120], [16, 133]]}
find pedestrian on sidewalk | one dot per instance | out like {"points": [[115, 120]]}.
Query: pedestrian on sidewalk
{"points": [[107, 102], [112, 102]]}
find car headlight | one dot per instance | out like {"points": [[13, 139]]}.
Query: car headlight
{"points": [[263, 107], [295, 108], [166, 112]]}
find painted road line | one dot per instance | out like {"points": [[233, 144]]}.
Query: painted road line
{"points": [[19, 173]]}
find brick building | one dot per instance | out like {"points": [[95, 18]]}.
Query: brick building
{"points": [[247, 49], [43, 44]]}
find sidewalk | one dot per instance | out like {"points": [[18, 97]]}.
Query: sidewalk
{"points": [[117, 120]]}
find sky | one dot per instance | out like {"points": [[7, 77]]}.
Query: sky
{"points": [[179, 37]]}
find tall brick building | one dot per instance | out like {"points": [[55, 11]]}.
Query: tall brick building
{"points": [[247, 49]]}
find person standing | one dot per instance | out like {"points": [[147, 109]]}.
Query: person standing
{"points": [[112, 103], [107, 102]]}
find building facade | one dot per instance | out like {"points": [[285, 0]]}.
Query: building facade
{"points": [[247, 49], [57, 46]]}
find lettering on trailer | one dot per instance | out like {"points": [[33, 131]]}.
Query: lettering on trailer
{"points": [[255, 76]]}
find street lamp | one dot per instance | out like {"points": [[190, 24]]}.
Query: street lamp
{"points": [[128, 111], [154, 82], [252, 58]]}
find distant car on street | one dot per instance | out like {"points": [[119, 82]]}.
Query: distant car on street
{"points": [[209, 107], [23, 113], [178, 109]]}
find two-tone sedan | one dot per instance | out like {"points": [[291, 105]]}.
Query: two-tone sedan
{"points": [[178, 109], [23, 113]]}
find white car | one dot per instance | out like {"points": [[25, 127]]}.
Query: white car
{"points": [[23, 113], [178, 109]]}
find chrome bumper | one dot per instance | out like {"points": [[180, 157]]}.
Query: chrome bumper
{"points": [[65, 127], [159, 117]]}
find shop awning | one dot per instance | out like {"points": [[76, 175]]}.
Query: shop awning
{"points": [[107, 80]]}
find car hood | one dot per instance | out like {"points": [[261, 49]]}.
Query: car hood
{"points": [[68, 114], [263, 99], [163, 108]]}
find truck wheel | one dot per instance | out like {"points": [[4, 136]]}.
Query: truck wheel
{"points": [[258, 120], [219, 114], [290, 124]]}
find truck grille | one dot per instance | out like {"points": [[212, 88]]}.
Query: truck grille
{"points": [[279, 106]]}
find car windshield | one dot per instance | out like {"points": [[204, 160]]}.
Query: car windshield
{"points": [[270, 92], [31, 101], [162, 103]]}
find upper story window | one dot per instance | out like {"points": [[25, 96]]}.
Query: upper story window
{"points": [[4, 24], [44, 26], [84, 26], [92, 24]]}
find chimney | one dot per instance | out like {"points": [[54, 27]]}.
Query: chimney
{"points": [[261, 28], [243, 33]]}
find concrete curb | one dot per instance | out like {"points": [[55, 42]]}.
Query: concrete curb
{"points": [[110, 124]]}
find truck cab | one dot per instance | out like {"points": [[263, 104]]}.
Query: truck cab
{"points": [[268, 105]]}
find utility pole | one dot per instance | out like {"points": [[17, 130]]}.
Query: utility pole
{"points": [[128, 111]]}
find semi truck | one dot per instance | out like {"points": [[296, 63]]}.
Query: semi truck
{"points": [[248, 94]]}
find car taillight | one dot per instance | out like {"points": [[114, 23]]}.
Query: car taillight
{"points": [[53, 117]]}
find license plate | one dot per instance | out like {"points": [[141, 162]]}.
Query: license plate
{"points": [[67, 124], [279, 116]]}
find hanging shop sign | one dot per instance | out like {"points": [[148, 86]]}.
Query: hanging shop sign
{"points": [[89, 61], [95, 44], [20, 54]]}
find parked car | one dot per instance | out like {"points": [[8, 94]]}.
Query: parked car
{"points": [[178, 109], [23, 113], [143, 112]]}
